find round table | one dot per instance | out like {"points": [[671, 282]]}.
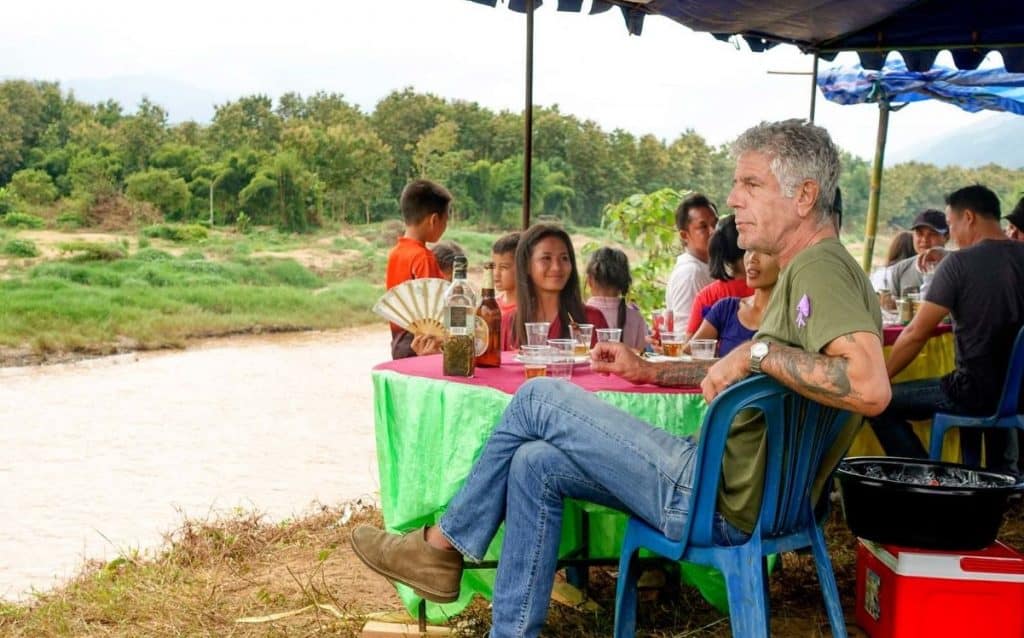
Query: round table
{"points": [[430, 428]]}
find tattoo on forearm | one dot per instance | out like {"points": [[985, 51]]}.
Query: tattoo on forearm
{"points": [[814, 376], [682, 373]]}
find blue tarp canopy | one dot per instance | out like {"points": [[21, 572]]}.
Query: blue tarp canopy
{"points": [[918, 29], [977, 90]]}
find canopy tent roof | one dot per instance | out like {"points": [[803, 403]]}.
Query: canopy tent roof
{"points": [[972, 91], [918, 29]]}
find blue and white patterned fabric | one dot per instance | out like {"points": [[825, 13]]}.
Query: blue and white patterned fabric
{"points": [[981, 89]]}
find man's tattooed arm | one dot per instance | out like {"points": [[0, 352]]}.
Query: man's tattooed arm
{"points": [[681, 373], [845, 376]]}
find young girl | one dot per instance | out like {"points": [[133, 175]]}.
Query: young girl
{"points": [[734, 320], [725, 261], [609, 280], [547, 288]]}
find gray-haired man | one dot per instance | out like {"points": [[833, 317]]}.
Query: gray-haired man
{"points": [[820, 337]]}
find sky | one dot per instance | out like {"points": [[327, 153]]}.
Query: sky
{"points": [[666, 81]]}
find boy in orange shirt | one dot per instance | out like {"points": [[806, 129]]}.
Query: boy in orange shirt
{"points": [[503, 254], [425, 206]]}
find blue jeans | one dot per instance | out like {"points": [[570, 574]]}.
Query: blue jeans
{"points": [[557, 441], [918, 400]]}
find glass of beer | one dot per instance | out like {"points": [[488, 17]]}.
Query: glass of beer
{"points": [[582, 333], [672, 343], [535, 360], [561, 358]]}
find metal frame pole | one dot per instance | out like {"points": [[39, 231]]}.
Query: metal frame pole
{"points": [[814, 86], [528, 118]]}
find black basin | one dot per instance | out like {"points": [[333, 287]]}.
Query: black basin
{"points": [[925, 504]]}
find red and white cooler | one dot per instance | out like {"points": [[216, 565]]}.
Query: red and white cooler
{"points": [[916, 593]]}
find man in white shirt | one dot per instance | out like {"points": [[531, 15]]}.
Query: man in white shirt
{"points": [[696, 217]]}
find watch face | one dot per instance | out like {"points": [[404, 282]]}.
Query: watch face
{"points": [[759, 349]]}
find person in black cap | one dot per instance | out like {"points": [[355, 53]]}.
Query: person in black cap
{"points": [[1015, 222], [930, 236], [981, 286]]}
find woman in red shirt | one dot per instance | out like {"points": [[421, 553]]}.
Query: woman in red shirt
{"points": [[548, 288]]}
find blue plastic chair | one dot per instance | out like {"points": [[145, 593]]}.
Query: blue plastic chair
{"points": [[1008, 414], [799, 434]]}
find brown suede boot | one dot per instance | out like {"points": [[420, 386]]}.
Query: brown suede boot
{"points": [[434, 574]]}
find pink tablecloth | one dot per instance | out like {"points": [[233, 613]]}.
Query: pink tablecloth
{"points": [[889, 333], [509, 376]]}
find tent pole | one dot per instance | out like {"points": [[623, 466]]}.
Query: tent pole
{"points": [[528, 117], [874, 195], [814, 86]]}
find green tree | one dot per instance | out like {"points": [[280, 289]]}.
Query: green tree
{"points": [[162, 188], [141, 134], [648, 222], [249, 122], [284, 190], [401, 119]]}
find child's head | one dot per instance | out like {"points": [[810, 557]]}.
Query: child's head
{"points": [[608, 272], [503, 254], [445, 252], [725, 257], [425, 206], [545, 265]]}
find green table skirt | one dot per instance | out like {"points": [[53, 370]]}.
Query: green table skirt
{"points": [[429, 432]]}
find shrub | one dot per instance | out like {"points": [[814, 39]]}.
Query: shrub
{"points": [[20, 248], [151, 254], [243, 224], [71, 220], [161, 188], [23, 220], [93, 251], [178, 233], [33, 186]]}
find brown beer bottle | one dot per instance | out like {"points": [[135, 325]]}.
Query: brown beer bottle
{"points": [[490, 315]]}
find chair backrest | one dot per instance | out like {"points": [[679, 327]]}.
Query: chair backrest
{"points": [[1013, 388], [799, 435]]}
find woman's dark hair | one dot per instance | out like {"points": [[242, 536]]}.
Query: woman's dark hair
{"points": [[723, 250], [570, 301], [609, 267], [901, 247]]}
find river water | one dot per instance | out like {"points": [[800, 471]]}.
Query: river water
{"points": [[102, 456]]}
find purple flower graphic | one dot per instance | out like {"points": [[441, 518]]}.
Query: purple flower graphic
{"points": [[803, 311]]}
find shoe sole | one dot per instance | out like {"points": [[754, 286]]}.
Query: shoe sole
{"points": [[432, 596]]}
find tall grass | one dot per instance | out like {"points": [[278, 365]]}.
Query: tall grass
{"points": [[155, 300]]}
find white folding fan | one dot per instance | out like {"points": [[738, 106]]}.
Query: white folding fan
{"points": [[416, 305]]}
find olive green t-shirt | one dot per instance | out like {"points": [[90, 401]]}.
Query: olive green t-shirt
{"points": [[821, 295]]}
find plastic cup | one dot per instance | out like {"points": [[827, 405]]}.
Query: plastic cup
{"points": [[703, 348], [582, 333], [535, 360], [672, 344], [537, 333], [561, 358], [609, 334]]}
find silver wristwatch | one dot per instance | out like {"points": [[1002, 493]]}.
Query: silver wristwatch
{"points": [[758, 351]]}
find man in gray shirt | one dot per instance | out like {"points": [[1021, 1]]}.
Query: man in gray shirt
{"points": [[930, 235], [982, 287]]}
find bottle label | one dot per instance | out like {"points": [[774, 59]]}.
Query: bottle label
{"points": [[458, 321]]}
